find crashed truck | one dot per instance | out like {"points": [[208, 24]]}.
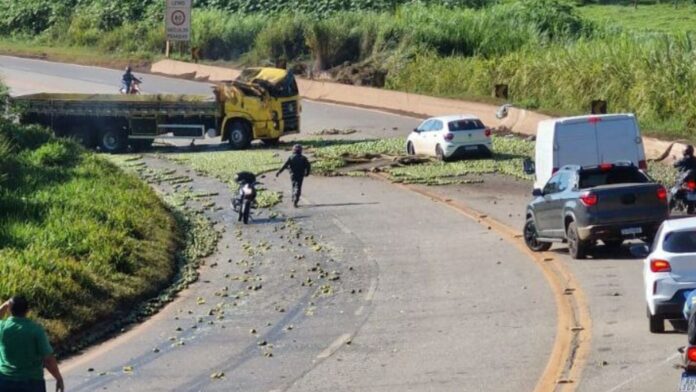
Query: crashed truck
{"points": [[261, 104]]}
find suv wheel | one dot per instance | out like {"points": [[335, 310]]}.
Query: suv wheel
{"points": [[657, 323], [531, 235], [576, 247]]}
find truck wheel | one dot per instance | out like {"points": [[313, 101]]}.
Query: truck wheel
{"points": [[239, 135], [576, 247], [142, 144], [531, 235], [657, 323], [271, 142], [83, 136], [113, 140]]}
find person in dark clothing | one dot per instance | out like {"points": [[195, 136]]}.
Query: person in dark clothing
{"points": [[299, 168], [128, 79], [688, 161]]}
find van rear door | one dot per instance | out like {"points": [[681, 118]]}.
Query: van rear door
{"points": [[575, 144], [618, 140]]}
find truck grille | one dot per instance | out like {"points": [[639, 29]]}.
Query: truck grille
{"points": [[290, 117]]}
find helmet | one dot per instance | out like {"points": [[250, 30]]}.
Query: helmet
{"points": [[297, 149], [689, 151]]}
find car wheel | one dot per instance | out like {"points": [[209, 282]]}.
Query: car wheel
{"points": [[409, 149], [576, 247], [531, 235], [613, 243], [440, 154], [657, 323]]}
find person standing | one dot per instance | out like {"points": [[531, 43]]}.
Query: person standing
{"points": [[24, 351], [299, 169]]}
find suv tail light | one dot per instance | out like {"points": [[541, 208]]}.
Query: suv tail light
{"points": [[691, 353], [589, 199], [449, 136], [658, 265], [488, 132], [642, 164], [662, 193]]}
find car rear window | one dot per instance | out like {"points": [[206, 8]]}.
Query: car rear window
{"points": [[617, 175], [465, 125], [683, 241]]}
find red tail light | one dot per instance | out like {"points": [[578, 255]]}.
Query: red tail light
{"points": [[449, 136], [691, 185], [488, 132], [642, 164], [657, 265], [589, 199], [594, 120], [691, 353], [606, 166], [662, 193]]}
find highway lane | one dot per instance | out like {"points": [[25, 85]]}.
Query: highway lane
{"points": [[625, 356]]}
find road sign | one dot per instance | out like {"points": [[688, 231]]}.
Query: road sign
{"points": [[178, 20]]}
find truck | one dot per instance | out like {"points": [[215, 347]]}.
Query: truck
{"points": [[581, 205], [261, 104], [585, 140]]}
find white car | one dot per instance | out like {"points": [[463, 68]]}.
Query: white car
{"points": [[669, 271], [450, 137]]}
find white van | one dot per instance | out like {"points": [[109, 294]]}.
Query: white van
{"points": [[586, 141]]}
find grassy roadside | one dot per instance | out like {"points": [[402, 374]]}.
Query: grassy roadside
{"points": [[78, 237]]}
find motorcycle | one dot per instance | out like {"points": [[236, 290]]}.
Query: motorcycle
{"points": [[245, 197], [683, 194], [134, 87]]}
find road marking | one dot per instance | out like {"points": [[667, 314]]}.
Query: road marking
{"points": [[642, 374], [334, 346], [341, 226], [372, 290], [571, 347]]}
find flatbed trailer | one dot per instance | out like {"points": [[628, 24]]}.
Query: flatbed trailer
{"points": [[239, 111]]}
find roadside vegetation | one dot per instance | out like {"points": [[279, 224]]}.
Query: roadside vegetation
{"points": [[78, 237], [555, 56]]}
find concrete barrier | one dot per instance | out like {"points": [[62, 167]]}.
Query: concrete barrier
{"points": [[518, 120]]}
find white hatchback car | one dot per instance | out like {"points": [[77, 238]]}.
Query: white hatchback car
{"points": [[450, 137], [669, 271]]}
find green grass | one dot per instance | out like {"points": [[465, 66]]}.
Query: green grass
{"points": [[78, 237], [663, 18], [223, 165]]}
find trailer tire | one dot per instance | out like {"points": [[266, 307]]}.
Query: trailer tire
{"points": [[239, 135], [113, 140], [83, 136]]}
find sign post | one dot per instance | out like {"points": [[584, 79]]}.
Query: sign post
{"points": [[178, 22]]}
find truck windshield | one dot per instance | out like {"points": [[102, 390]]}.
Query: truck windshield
{"points": [[284, 89], [680, 241], [617, 175], [465, 125]]}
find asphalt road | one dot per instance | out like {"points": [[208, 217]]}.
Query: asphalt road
{"points": [[419, 330]]}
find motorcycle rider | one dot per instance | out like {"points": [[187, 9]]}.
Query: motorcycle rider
{"points": [[128, 79], [299, 168], [686, 166]]}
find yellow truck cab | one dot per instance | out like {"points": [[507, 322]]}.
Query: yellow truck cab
{"points": [[261, 104]]}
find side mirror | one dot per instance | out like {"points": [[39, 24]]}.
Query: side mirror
{"points": [[528, 166], [416, 130], [536, 192], [641, 250]]}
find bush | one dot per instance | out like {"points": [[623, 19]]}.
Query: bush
{"points": [[57, 153]]}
